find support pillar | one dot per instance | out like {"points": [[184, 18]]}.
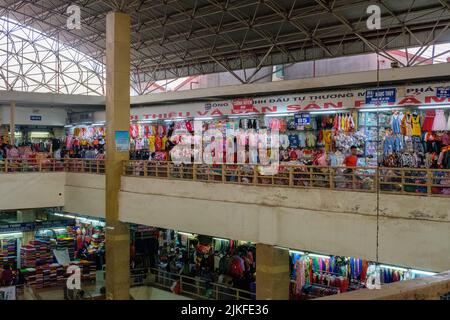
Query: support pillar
{"points": [[12, 123], [117, 119], [272, 273]]}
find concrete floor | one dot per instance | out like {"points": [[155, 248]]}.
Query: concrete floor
{"points": [[150, 293]]}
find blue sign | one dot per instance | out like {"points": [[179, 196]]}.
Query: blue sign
{"points": [[443, 92], [381, 96], [122, 141], [36, 118], [303, 119]]}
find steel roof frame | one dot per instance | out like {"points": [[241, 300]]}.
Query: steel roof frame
{"points": [[179, 38]]}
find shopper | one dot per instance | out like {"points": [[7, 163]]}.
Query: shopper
{"points": [[6, 277]]}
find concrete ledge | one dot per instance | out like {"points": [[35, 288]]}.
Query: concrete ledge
{"points": [[430, 288]]}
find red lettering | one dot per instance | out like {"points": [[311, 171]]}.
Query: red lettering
{"points": [[433, 99], [269, 109], [217, 112], [359, 103], [251, 110], [312, 106], [172, 115], [409, 100], [329, 105], [202, 113], [294, 108]]}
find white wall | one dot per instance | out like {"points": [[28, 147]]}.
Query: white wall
{"points": [[85, 194], [413, 231], [50, 116], [32, 190]]}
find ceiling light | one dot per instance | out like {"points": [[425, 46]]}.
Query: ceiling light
{"points": [[444, 106], [325, 112]]}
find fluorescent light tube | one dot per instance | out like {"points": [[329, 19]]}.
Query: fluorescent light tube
{"points": [[280, 114], [392, 267], [221, 239], [327, 112], [200, 119], [12, 234], [444, 106], [295, 251], [318, 255], [380, 109], [190, 235], [426, 273]]}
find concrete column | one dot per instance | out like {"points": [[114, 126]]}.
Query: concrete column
{"points": [[272, 273], [117, 119], [12, 122]]}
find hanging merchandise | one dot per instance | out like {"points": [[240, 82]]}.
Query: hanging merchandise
{"points": [[406, 125], [429, 120], [440, 123]]}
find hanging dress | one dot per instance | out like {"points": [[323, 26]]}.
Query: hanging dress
{"points": [[440, 123], [416, 131], [428, 122], [406, 126]]}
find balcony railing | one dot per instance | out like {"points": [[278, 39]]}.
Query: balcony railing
{"points": [[197, 288], [408, 181], [52, 165]]}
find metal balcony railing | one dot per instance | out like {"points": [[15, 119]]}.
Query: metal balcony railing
{"points": [[407, 181], [196, 288], [52, 165]]}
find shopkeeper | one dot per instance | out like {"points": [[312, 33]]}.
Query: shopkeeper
{"points": [[352, 159]]}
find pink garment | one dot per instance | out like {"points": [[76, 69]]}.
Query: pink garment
{"points": [[322, 160], [446, 139]]}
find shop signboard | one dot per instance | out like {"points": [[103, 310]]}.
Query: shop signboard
{"points": [[35, 118], [443, 92], [122, 141], [31, 226], [302, 119], [334, 100], [381, 96], [243, 105]]}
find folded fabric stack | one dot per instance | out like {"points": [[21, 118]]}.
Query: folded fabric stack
{"points": [[30, 276], [88, 269], [28, 256], [66, 243]]}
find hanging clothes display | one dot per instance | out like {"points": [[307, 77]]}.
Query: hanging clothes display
{"points": [[406, 125], [415, 120], [395, 123], [440, 123], [429, 120]]}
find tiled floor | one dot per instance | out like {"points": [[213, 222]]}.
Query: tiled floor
{"points": [[150, 293]]}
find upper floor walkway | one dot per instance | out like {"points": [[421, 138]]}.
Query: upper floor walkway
{"points": [[399, 215]]}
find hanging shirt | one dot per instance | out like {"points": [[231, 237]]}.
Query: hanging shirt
{"points": [[151, 143], [415, 122]]}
